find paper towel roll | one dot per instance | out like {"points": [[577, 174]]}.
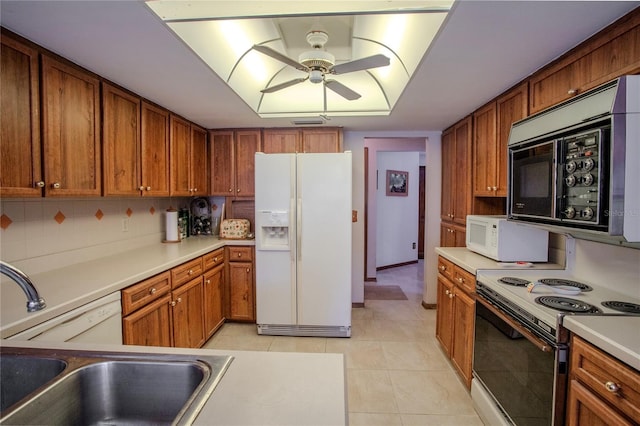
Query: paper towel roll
{"points": [[172, 226]]}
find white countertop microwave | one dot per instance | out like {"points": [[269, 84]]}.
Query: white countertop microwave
{"points": [[506, 241]]}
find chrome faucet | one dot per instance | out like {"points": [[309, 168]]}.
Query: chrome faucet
{"points": [[34, 301]]}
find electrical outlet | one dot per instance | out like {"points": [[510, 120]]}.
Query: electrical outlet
{"points": [[125, 224], [414, 246]]}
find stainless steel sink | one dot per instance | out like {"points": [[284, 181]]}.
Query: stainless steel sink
{"points": [[119, 388], [20, 375]]}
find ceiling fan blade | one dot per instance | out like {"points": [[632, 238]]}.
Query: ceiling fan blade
{"points": [[279, 56], [342, 90], [374, 61], [284, 85]]}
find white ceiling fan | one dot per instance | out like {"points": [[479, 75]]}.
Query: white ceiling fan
{"points": [[318, 63]]}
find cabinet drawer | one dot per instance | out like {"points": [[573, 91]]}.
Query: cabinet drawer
{"points": [[445, 267], [464, 279], [240, 254], [185, 272], [213, 259], [610, 379], [139, 295]]}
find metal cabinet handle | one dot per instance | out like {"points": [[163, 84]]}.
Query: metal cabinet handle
{"points": [[230, 189], [141, 188], [215, 259], [238, 190], [208, 282], [239, 254], [572, 91], [612, 387], [248, 270], [488, 188], [152, 290], [460, 280], [40, 184], [442, 268], [56, 185], [495, 188], [148, 188], [173, 303], [190, 272]]}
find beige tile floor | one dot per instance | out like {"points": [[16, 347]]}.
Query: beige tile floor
{"points": [[396, 372]]}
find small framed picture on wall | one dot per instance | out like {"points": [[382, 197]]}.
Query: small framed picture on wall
{"points": [[397, 183]]}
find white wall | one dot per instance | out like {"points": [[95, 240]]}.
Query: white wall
{"points": [[355, 141], [397, 216]]}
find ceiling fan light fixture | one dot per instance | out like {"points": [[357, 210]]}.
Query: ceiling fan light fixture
{"points": [[316, 76]]}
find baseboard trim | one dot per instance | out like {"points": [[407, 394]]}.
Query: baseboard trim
{"points": [[380, 268], [357, 304], [371, 280], [429, 305]]}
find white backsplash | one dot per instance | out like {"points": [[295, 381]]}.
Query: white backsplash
{"points": [[36, 237], [610, 266]]}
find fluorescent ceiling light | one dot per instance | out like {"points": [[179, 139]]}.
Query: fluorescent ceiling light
{"points": [[223, 34]]}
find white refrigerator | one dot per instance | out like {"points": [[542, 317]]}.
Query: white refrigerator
{"points": [[303, 244]]}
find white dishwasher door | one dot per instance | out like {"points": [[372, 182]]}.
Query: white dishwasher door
{"points": [[99, 321]]}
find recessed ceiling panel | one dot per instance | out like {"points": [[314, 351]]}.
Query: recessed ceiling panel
{"points": [[267, 79]]}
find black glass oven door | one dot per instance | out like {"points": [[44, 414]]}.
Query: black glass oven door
{"points": [[518, 373], [532, 186]]}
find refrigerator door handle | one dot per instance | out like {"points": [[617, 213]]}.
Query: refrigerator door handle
{"points": [[292, 235], [299, 229]]}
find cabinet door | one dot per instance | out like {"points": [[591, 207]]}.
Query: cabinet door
{"points": [[222, 165], [321, 140], [213, 288], [485, 150], [20, 169], [241, 291], [463, 329], [462, 189], [511, 107], [71, 146], [180, 133], [247, 143], [154, 154], [188, 315], [120, 141], [199, 162], [444, 314], [150, 325], [448, 166], [281, 141], [585, 409]]}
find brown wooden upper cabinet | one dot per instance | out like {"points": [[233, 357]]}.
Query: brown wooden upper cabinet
{"points": [[189, 170], [456, 182], [232, 161], [302, 140], [154, 151], [492, 124], [20, 156], [613, 52], [135, 140], [120, 141], [71, 130]]}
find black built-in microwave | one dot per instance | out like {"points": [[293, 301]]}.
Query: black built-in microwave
{"points": [[562, 179]]}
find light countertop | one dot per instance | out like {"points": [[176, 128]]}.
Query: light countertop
{"points": [[72, 286], [473, 262], [617, 335], [259, 388]]}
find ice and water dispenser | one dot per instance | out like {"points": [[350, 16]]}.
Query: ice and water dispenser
{"points": [[274, 230]]}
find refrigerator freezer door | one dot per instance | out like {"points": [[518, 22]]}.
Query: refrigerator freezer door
{"points": [[275, 269], [324, 237]]}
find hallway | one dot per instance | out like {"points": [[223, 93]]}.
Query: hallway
{"points": [[396, 372]]}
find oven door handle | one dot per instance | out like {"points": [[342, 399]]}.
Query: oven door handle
{"points": [[539, 343]]}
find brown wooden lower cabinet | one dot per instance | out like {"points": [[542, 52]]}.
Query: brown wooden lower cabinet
{"points": [[602, 390], [455, 316], [182, 307], [213, 297], [241, 284]]}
